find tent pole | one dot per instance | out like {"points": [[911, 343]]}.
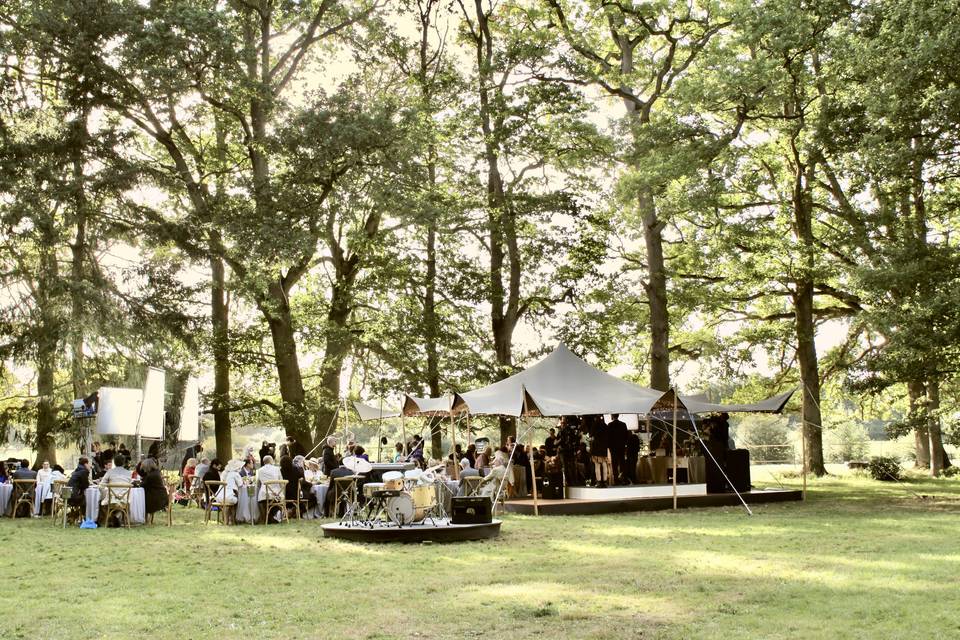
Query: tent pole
{"points": [[403, 429], [803, 445], [674, 448], [453, 447], [380, 430]]}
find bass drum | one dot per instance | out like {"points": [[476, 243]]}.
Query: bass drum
{"points": [[400, 509], [424, 498]]}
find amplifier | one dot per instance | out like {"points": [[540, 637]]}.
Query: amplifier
{"points": [[472, 510]]}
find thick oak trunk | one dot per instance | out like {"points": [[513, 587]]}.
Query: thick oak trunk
{"points": [[809, 378], [656, 289], [937, 454], [46, 409], [293, 412], [918, 397], [220, 322]]}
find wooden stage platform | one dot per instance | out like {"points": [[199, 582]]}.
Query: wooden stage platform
{"points": [[570, 507]]}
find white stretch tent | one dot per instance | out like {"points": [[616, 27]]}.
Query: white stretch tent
{"points": [[368, 412], [563, 384], [150, 423], [414, 406], [190, 411], [560, 384], [117, 411]]}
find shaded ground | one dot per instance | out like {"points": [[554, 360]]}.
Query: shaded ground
{"points": [[858, 559]]}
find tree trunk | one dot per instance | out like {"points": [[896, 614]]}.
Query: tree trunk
{"points": [[936, 441], [220, 322], [918, 397], [46, 410], [656, 289], [78, 251], [293, 412], [809, 378], [337, 346]]}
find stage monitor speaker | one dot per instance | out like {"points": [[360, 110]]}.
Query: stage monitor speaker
{"points": [[716, 483], [738, 469], [472, 510]]}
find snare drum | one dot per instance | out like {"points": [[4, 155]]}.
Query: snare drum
{"points": [[370, 487]]}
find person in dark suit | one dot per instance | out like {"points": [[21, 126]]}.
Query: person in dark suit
{"points": [[24, 472], [617, 442], [79, 481], [328, 456], [154, 491]]}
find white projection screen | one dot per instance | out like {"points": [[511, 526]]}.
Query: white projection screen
{"points": [[117, 411], [190, 412], [151, 413]]}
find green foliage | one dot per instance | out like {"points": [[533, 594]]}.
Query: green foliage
{"points": [[767, 438], [847, 440], [885, 469]]}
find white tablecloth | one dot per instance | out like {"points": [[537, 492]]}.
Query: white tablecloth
{"points": [[320, 490], [247, 508], [41, 492], [138, 504], [6, 491]]}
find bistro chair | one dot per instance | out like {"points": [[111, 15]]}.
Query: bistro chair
{"points": [[57, 500], [275, 491], [216, 492], [198, 492], [23, 493], [118, 502], [344, 493], [470, 486], [171, 492], [295, 502]]}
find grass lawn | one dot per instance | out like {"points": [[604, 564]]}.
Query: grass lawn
{"points": [[859, 559]]}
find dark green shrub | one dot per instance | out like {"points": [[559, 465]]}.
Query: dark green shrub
{"points": [[884, 468], [951, 472]]}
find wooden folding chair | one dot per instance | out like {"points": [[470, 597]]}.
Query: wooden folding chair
{"points": [[345, 492], [57, 501], [213, 491], [118, 502], [295, 503], [198, 492], [24, 492], [470, 486], [275, 491]]}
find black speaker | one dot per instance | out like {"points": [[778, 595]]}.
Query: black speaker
{"points": [[472, 510], [716, 483], [738, 469]]}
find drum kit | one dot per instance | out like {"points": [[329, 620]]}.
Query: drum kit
{"points": [[403, 498]]}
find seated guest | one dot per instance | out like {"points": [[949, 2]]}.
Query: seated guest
{"points": [[43, 475], [360, 452], [466, 471], [79, 481], [24, 472], [202, 468], [398, 452], [248, 470], [230, 491], [492, 481], [471, 455], [212, 475], [117, 475], [189, 471], [154, 491], [4, 478], [292, 474], [484, 459], [311, 470], [267, 472]]}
